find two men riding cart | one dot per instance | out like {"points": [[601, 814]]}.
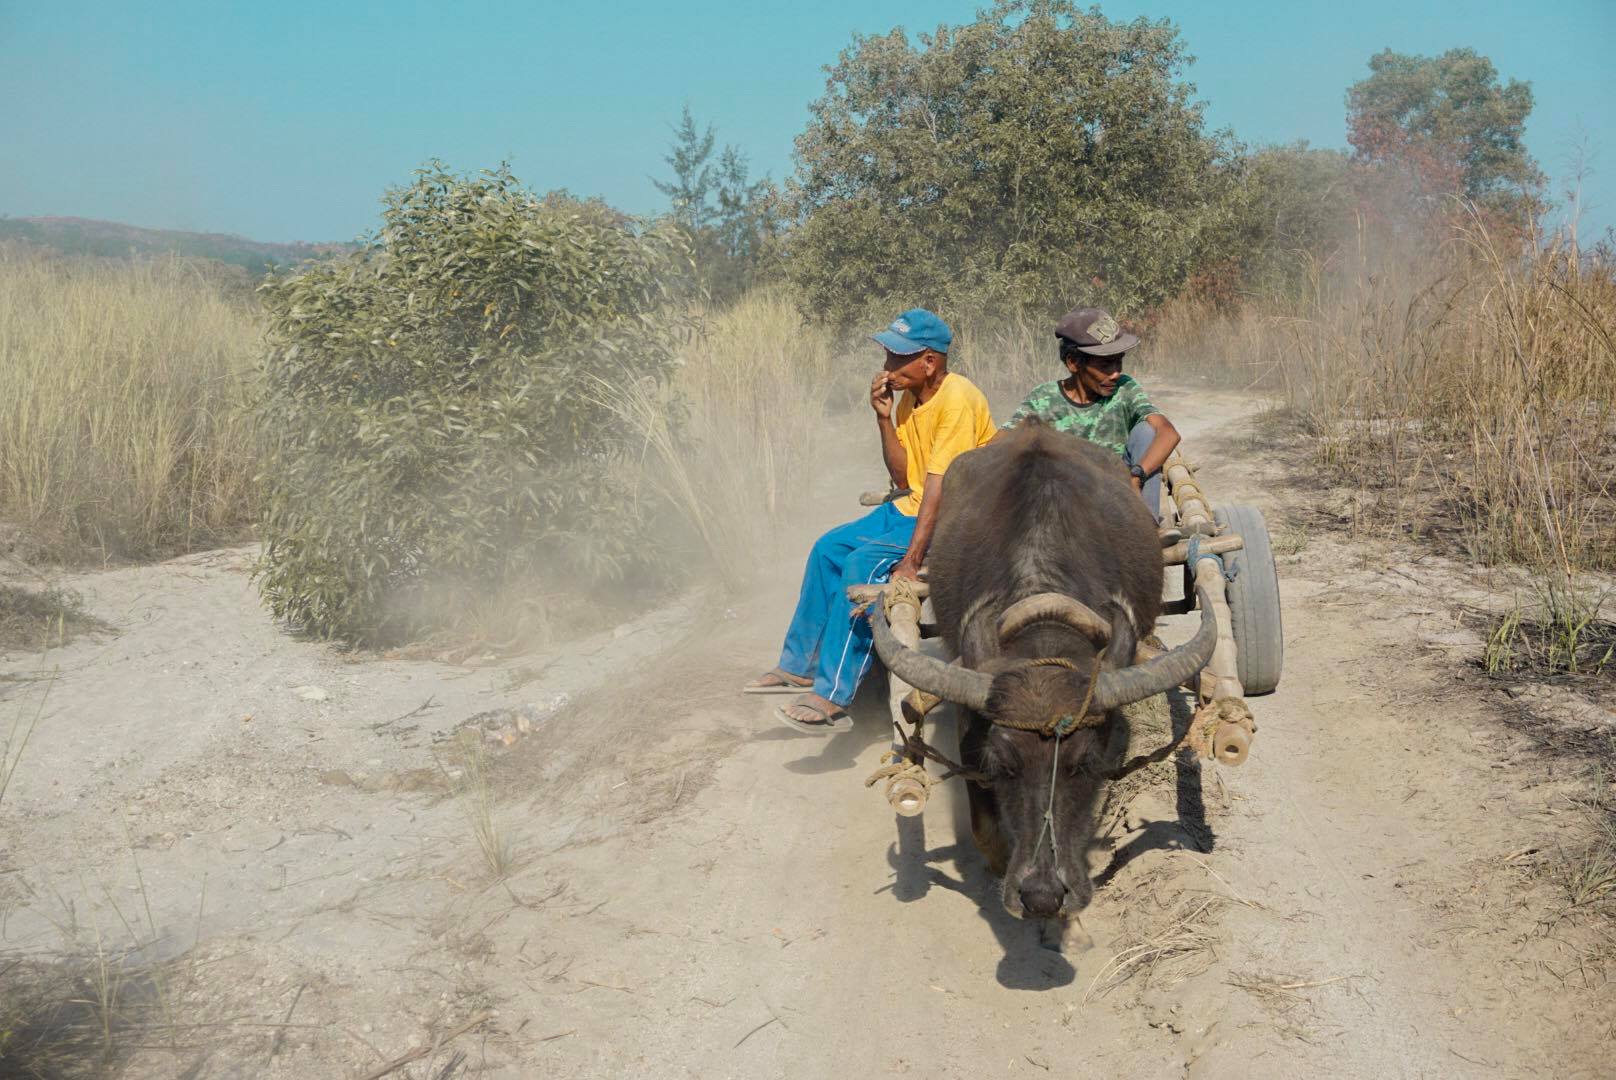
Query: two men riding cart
{"points": [[1047, 575], [939, 416]]}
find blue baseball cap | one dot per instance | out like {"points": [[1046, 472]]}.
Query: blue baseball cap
{"points": [[914, 330]]}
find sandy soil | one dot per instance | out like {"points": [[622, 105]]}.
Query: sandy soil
{"points": [[700, 892]]}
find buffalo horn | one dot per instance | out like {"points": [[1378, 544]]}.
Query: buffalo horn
{"points": [[1059, 607], [1123, 686], [947, 681]]}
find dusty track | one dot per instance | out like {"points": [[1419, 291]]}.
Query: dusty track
{"points": [[700, 892]]}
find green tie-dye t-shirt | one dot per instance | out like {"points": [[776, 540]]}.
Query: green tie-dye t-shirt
{"points": [[1105, 423]]}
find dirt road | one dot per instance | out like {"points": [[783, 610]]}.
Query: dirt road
{"points": [[700, 892]]}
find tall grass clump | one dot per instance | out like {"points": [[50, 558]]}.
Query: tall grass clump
{"points": [[1006, 356], [470, 783], [1457, 379], [1480, 383], [123, 431], [728, 441], [1244, 347]]}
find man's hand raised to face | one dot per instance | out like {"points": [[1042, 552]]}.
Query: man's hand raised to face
{"points": [[881, 395]]}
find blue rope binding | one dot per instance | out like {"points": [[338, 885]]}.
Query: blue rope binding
{"points": [[1194, 553]]}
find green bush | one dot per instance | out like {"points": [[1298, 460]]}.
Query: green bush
{"points": [[434, 434]]}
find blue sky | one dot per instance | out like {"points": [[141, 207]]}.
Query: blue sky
{"points": [[286, 120]]}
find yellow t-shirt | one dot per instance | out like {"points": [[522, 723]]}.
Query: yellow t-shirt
{"points": [[955, 420]]}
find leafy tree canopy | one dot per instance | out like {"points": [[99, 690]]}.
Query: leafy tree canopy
{"points": [[1447, 119], [1296, 205], [691, 189], [728, 218], [1039, 156]]}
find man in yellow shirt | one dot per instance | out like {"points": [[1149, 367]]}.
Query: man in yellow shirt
{"points": [[939, 416]]}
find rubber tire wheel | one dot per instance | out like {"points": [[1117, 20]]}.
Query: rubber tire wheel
{"points": [[1259, 636]]}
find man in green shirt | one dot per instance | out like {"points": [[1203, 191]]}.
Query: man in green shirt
{"points": [[1097, 402]]}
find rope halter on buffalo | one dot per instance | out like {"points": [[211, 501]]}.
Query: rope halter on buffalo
{"points": [[1062, 724], [1220, 730]]}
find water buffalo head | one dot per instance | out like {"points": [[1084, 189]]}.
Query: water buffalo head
{"points": [[1042, 733]]}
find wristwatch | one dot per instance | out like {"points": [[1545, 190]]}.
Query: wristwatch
{"points": [[1138, 473]]}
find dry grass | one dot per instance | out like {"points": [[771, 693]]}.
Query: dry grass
{"points": [[24, 721], [1563, 632], [1290, 539], [1170, 934], [1199, 343], [474, 795], [753, 384], [42, 619], [74, 1016], [86, 1008], [1006, 359], [1181, 945], [1585, 870], [122, 431], [1463, 382], [1288, 998]]}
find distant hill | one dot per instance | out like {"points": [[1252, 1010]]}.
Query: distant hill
{"points": [[84, 236]]}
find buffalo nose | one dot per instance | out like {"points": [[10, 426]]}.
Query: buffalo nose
{"points": [[1042, 895]]}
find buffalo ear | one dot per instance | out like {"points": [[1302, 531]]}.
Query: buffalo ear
{"points": [[1124, 641]]}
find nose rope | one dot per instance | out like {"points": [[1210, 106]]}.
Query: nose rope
{"points": [[1060, 727], [1048, 828]]}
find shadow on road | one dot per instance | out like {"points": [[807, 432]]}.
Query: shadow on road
{"points": [[1026, 964], [1187, 829], [871, 724]]}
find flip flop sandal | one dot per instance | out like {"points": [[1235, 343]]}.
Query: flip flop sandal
{"points": [[833, 722], [784, 686]]}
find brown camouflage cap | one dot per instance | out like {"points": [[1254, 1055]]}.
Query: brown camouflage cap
{"points": [[1094, 332]]}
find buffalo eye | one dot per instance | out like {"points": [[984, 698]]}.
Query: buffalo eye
{"points": [[994, 772], [996, 767]]}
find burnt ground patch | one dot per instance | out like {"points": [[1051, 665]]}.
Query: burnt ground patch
{"points": [[1552, 665], [1574, 647]]}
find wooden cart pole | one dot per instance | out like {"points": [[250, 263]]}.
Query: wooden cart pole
{"points": [[907, 794], [906, 780], [1194, 512], [1224, 722]]}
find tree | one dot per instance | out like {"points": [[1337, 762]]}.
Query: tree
{"points": [[691, 189], [744, 228], [1037, 157], [433, 423], [1447, 122], [728, 217]]}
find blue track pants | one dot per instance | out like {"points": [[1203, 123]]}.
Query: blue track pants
{"points": [[1139, 440], [824, 639]]}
